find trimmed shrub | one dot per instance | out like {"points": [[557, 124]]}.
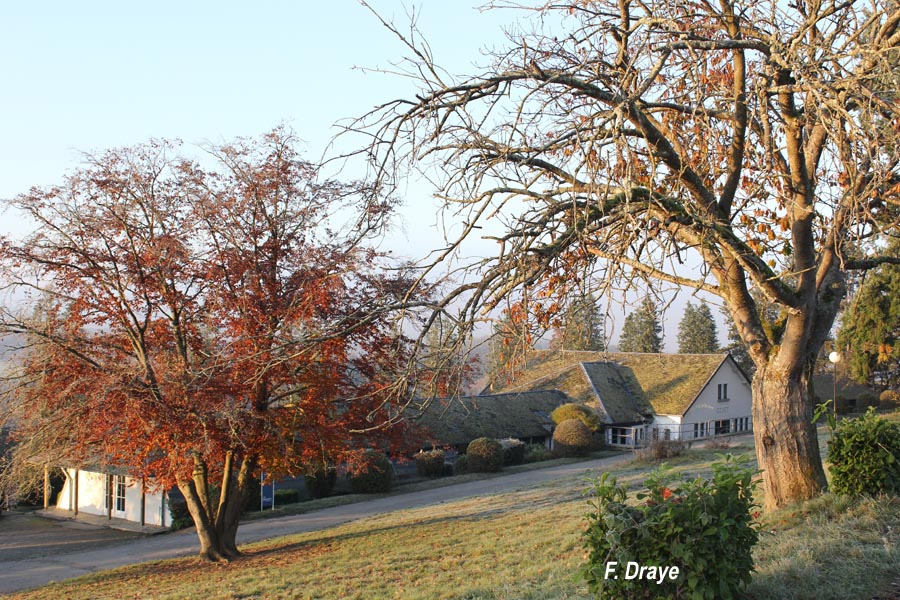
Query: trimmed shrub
{"points": [[320, 483], [665, 449], [513, 452], [181, 516], [430, 463], [705, 527], [375, 476], [586, 415], [889, 399], [484, 456], [461, 465], [867, 399], [865, 456], [572, 438], [537, 453], [286, 496]]}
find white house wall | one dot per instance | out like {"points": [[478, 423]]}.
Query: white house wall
{"points": [[92, 499], [670, 423], [707, 409]]}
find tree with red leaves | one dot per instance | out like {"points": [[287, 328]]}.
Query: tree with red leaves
{"points": [[201, 323]]}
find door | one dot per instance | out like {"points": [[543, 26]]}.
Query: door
{"points": [[115, 495]]}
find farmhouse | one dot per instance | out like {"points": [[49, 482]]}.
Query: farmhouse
{"points": [[111, 492], [641, 397]]}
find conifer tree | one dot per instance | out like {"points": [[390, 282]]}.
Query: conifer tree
{"points": [[642, 331], [697, 333], [582, 326], [870, 328]]}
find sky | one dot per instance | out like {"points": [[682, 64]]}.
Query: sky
{"points": [[83, 77], [86, 76]]}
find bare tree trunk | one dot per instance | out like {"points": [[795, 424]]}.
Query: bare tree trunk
{"points": [[787, 446], [216, 520], [211, 549], [230, 517]]}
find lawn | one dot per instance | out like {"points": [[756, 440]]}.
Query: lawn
{"points": [[523, 544]]}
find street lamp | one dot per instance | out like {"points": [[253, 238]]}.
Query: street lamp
{"points": [[835, 358]]}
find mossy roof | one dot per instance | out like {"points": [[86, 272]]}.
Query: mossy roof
{"points": [[518, 414], [627, 385], [620, 395]]}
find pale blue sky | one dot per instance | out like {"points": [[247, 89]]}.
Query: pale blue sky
{"points": [[86, 76]]}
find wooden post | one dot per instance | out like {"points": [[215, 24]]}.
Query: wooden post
{"points": [[143, 500], [76, 492], [46, 486], [109, 496]]}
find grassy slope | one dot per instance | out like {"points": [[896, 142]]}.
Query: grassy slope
{"points": [[523, 544]]}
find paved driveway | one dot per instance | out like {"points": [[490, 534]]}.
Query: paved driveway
{"points": [[25, 535], [32, 572]]}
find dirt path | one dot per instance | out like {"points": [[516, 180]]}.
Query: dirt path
{"points": [[16, 575]]}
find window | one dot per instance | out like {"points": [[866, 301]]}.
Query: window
{"points": [[115, 492], [618, 436], [696, 430], [722, 392], [723, 427]]}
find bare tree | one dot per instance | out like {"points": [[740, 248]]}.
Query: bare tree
{"points": [[725, 147]]}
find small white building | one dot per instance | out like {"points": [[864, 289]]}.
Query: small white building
{"points": [[113, 494], [720, 405]]}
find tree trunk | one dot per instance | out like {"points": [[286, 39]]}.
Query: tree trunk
{"points": [[215, 519], [234, 508], [787, 446], [211, 547]]}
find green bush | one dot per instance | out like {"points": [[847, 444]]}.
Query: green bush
{"points": [[320, 482], [430, 463], [181, 516], [586, 415], [286, 496], [867, 399], [375, 476], [703, 527], [865, 456], [537, 453], [485, 456], [513, 452], [572, 438], [461, 465]]}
